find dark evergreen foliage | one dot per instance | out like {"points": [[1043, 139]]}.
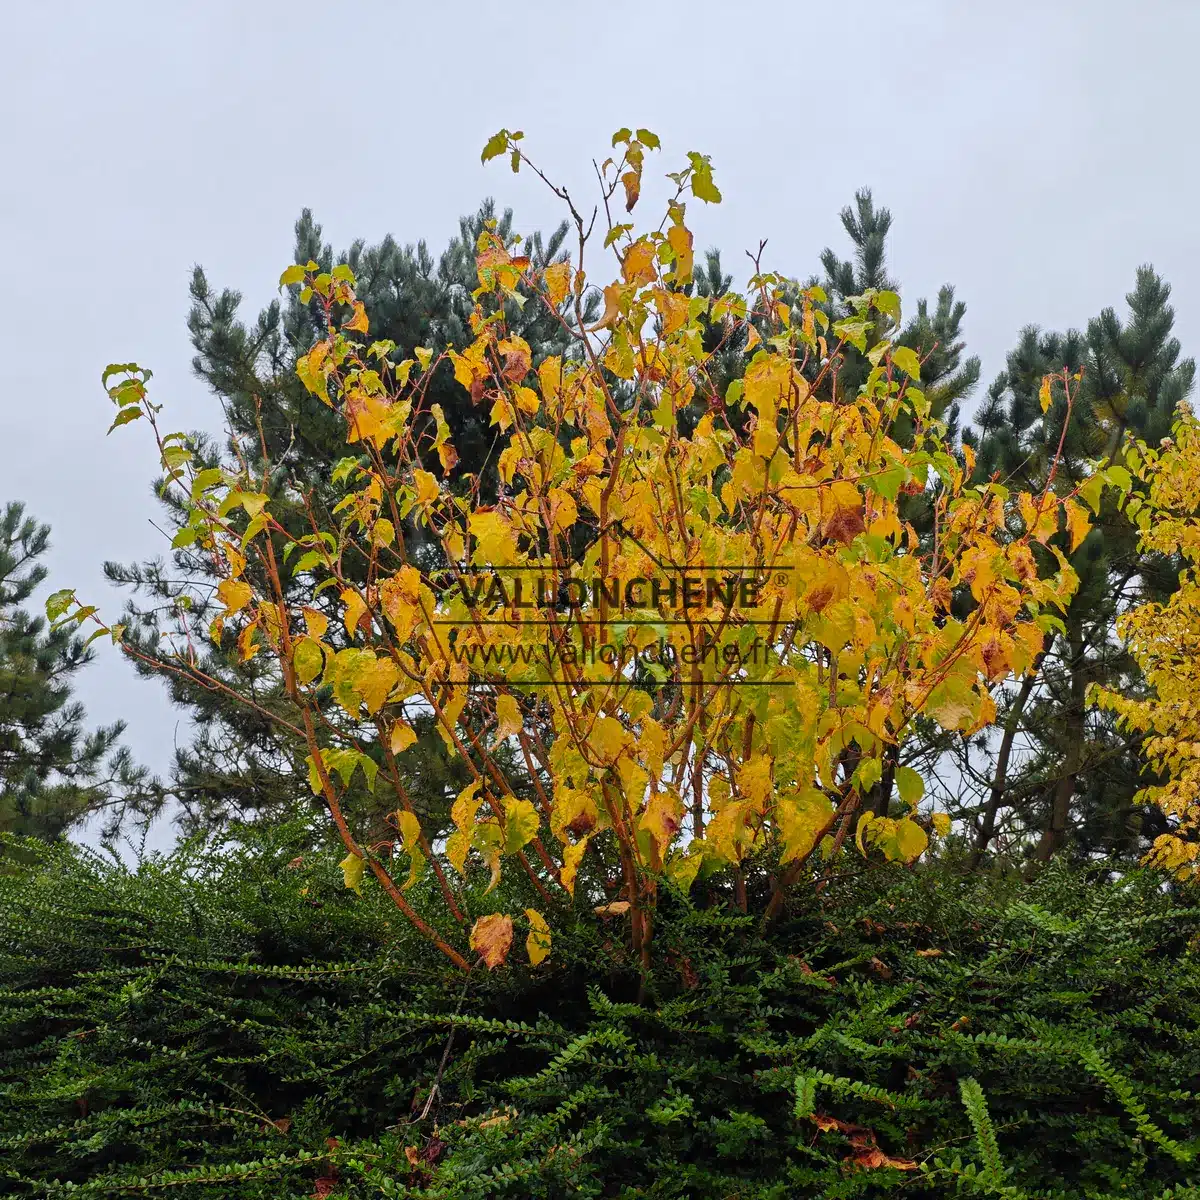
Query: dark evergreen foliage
{"points": [[205, 1025], [53, 770], [1077, 775]]}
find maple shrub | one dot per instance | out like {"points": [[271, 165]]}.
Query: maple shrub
{"points": [[1164, 639], [682, 637]]}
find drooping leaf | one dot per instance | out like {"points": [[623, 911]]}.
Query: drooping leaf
{"points": [[537, 944], [352, 872]]}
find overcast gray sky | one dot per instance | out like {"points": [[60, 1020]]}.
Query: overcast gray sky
{"points": [[1033, 154]]}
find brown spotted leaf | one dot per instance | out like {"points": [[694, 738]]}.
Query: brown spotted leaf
{"points": [[491, 938]]}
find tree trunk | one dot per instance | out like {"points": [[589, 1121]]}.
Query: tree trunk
{"points": [[987, 827], [1055, 832], [881, 793]]}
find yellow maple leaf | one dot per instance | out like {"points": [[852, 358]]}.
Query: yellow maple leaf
{"points": [[911, 840], [247, 646], [558, 279], [638, 264], [316, 623], [802, 818], [410, 832], [679, 238], [508, 717], [572, 856], [356, 610], [495, 543], [1040, 516], [358, 321], [755, 780], [427, 486], [352, 872], [491, 938], [402, 736], [612, 303], [235, 594], [662, 818], [1078, 522], [537, 944]]}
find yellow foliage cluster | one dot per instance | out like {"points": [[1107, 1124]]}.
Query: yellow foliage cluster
{"points": [[713, 735], [1164, 639]]}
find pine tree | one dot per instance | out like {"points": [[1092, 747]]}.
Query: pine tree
{"points": [[53, 771], [947, 378], [1078, 773], [240, 766]]}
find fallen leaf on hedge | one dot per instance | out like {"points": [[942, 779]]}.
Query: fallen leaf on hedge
{"points": [[874, 1158], [500, 1119], [615, 909], [824, 1122]]}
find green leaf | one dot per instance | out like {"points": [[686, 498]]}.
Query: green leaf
{"points": [[342, 469], [648, 139], [703, 187], [206, 479], [116, 369], [906, 359], [252, 502], [520, 824], [59, 602], [910, 785], [1091, 490], [614, 233], [124, 417], [854, 332], [1119, 478], [255, 526], [622, 135], [868, 774], [888, 483], [888, 303], [370, 770], [308, 660]]}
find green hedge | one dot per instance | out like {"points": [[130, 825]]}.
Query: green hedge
{"points": [[225, 1023]]}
